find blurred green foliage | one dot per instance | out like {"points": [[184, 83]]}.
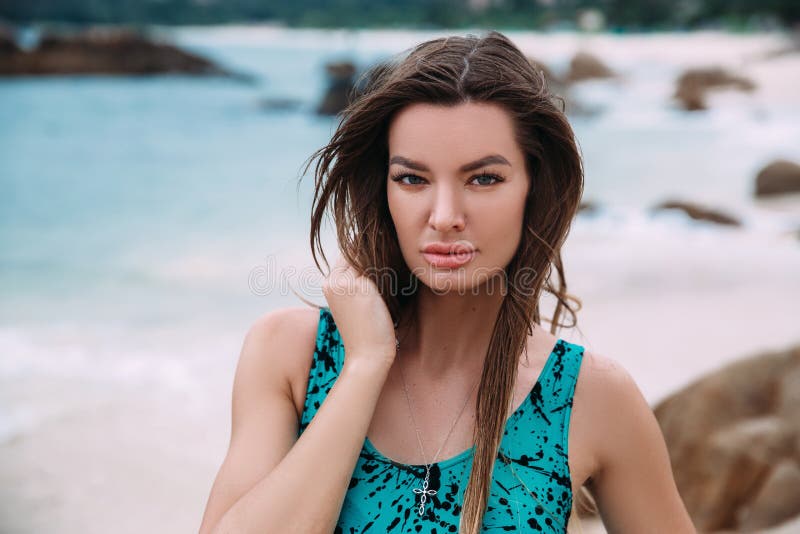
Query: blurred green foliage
{"points": [[522, 14]]}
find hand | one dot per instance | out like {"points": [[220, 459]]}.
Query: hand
{"points": [[362, 318]]}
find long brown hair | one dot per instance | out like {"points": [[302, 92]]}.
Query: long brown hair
{"points": [[350, 182]]}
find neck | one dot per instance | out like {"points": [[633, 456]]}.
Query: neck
{"points": [[450, 333]]}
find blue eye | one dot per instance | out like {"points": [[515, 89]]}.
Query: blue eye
{"points": [[486, 179], [401, 177], [486, 176]]}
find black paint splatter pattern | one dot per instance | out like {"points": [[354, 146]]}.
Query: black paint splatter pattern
{"points": [[531, 486]]}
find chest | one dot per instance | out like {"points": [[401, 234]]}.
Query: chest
{"points": [[546, 449], [528, 492], [429, 428]]}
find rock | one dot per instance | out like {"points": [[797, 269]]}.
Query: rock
{"points": [[740, 457], [778, 499], [727, 434], [585, 66], [107, 51], [694, 84], [8, 45], [780, 176], [340, 86], [698, 212]]}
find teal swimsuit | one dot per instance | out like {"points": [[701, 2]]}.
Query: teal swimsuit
{"points": [[531, 487]]}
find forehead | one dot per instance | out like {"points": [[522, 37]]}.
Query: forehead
{"points": [[468, 130]]}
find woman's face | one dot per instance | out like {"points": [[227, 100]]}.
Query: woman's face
{"points": [[456, 177]]}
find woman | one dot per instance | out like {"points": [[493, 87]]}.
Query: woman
{"points": [[427, 397]]}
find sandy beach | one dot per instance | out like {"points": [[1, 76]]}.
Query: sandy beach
{"points": [[142, 457]]}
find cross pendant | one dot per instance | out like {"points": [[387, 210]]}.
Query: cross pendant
{"points": [[424, 492]]}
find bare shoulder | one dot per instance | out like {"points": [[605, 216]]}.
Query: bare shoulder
{"points": [[605, 378], [631, 479], [617, 405], [281, 343], [285, 323], [605, 387], [604, 392], [601, 374]]}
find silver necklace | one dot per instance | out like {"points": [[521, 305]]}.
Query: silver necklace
{"points": [[423, 491]]}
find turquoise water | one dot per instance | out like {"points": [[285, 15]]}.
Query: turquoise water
{"points": [[105, 179], [151, 201], [121, 193], [118, 194]]}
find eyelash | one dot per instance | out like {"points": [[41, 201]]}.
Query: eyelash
{"points": [[399, 176]]}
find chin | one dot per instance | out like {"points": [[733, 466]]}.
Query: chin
{"points": [[461, 280]]}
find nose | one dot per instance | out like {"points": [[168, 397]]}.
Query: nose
{"points": [[447, 214]]}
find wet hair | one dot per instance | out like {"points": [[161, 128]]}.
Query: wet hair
{"points": [[350, 184]]}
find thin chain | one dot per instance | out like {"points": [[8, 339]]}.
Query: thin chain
{"points": [[416, 428]]}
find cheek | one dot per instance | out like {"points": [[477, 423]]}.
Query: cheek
{"points": [[501, 211], [506, 227]]}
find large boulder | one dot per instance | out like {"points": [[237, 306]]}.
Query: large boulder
{"points": [[693, 86], [104, 51], [775, 500], [734, 442], [780, 176], [698, 212]]}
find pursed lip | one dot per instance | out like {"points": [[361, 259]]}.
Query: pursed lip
{"points": [[448, 255], [448, 248]]}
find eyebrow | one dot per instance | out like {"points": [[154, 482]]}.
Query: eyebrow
{"points": [[477, 164]]}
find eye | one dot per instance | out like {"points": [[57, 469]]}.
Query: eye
{"points": [[487, 176], [400, 177], [484, 179]]}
